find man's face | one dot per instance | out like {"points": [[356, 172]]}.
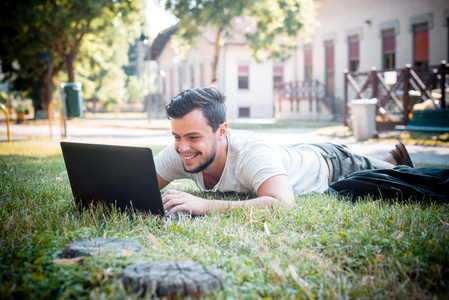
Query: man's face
{"points": [[195, 141]]}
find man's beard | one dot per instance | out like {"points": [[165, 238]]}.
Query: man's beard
{"points": [[203, 166]]}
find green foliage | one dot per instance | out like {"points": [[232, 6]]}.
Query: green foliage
{"points": [[31, 28], [323, 247], [276, 23], [100, 66], [136, 89]]}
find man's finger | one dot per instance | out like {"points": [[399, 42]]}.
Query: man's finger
{"points": [[177, 208], [171, 192], [173, 202], [168, 197]]}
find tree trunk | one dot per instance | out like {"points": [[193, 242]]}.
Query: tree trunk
{"points": [[70, 64], [216, 52], [45, 91]]}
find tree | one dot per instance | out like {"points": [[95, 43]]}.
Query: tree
{"points": [[30, 28], [21, 54], [274, 20], [136, 89], [100, 64]]}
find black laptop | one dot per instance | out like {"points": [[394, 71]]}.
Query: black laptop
{"points": [[124, 176]]}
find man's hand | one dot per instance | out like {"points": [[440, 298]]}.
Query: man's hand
{"points": [[276, 190], [181, 201]]}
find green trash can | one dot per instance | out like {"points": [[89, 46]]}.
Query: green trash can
{"points": [[73, 102]]}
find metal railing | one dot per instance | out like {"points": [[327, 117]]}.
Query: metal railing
{"points": [[311, 89]]}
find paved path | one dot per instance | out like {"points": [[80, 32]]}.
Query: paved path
{"points": [[434, 155]]}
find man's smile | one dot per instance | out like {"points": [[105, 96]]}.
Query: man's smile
{"points": [[188, 156]]}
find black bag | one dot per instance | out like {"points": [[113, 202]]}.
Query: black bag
{"points": [[417, 184]]}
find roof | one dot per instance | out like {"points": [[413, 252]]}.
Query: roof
{"points": [[161, 40], [235, 36]]}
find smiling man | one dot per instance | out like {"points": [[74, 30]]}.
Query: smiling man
{"points": [[219, 159]]}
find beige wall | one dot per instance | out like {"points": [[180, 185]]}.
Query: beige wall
{"points": [[259, 96], [337, 20]]}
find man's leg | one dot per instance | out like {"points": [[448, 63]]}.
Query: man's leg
{"points": [[344, 162], [397, 156], [387, 162]]}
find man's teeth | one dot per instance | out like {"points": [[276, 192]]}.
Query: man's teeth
{"points": [[189, 157]]}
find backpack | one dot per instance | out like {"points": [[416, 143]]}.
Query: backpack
{"points": [[418, 184]]}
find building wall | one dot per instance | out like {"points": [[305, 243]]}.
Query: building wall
{"points": [[258, 98], [337, 20]]}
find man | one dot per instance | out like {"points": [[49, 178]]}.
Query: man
{"points": [[214, 83], [220, 159]]}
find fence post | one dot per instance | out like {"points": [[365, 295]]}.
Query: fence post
{"points": [[374, 82], [444, 69], [345, 104], [406, 96]]}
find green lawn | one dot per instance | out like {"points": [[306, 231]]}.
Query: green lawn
{"points": [[324, 247]]}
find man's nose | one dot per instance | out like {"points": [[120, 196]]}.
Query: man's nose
{"points": [[183, 146]]}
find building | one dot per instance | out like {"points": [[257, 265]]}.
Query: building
{"points": [[360, 35], [247, 83], [346, 34]]}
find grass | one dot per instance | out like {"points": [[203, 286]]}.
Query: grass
{"points": [[324, 247]]}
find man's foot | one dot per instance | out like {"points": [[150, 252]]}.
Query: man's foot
{"points": [[401, 156]]}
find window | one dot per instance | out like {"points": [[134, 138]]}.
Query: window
{"points": [[420, 45], [446, 24], [243, 76], [308, 62], [278, 75], [329, 63], [388, 49], [447, 35], [243, 112], [353, 45]]}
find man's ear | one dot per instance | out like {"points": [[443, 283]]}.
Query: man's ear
{"points": [[222, 129]]}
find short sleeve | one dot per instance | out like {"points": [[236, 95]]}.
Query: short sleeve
{"points": [[168, 164]]}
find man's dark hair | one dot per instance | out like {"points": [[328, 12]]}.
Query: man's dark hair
{"points": [[210, 100]]}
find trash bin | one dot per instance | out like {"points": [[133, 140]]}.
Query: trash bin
{"points": [[71, 99], [363, 118]]}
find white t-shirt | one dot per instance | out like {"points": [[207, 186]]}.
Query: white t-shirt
{"points": [[251, 160]]}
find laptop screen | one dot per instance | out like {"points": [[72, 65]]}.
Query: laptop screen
{"points": [[124, 176]]}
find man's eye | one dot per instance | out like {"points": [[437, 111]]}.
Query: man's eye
{"points": [[193, 138], [177, 138]]}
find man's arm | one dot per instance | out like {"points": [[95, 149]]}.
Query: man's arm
{"points": [[162, 182], [275, 190]]}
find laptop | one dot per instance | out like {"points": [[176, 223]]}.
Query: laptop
{"points": [[124, 176]]}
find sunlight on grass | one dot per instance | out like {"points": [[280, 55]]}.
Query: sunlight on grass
{"points": [[323, 247], [33, 148]]}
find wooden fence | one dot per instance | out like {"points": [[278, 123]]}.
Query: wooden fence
{"points": [[396, 98]]}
